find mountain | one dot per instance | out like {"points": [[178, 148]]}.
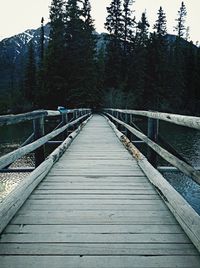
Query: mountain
{"points": [[13, 53]]}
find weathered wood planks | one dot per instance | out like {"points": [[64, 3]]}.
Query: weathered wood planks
{"points": [[96, 208]]}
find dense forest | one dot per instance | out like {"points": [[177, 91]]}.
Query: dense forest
{"points": [[134, 68]]}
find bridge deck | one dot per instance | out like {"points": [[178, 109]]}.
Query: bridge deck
{"points": [[95, 209]]}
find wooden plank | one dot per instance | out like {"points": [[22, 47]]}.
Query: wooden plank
{"points": [[93, 238], [84, 186], [66, 249], [85, 172], [92, 191], [104, 214], [94, 202], [95, 229], [100, 261], [95, 197], [92, 219], [93, 184], [109, 178], [87, 207]]}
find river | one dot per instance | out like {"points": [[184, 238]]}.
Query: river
{"points": [[185, 140]]}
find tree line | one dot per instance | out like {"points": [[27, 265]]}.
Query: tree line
{"points": [[134, 68]]}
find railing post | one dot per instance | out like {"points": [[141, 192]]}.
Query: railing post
{"points": [[117, 116], [126, 121], [153, 125], [64, 122], [77, 116], [130, 124], [38, 127]]}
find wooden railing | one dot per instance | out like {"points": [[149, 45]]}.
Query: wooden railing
{"points": [[71, 118], [169, 154], [37, 140], [181, 209]]}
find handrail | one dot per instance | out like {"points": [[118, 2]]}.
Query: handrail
{"points": [[170, 158], [13, 156], [11, 204], [18, 118], [40, 139], [183, 212], [14, 119], [182, 120]]}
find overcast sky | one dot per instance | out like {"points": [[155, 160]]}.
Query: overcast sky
{"points": [[19, 15]]}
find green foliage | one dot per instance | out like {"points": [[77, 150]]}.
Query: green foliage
{"points": [[180, 27], [30, 76], [134, 69]]}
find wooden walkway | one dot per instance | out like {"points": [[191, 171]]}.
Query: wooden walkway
{"points": [[95, 209]]}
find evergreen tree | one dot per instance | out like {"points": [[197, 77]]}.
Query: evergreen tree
{"points": [[42, 42], [91, 92], [40, 71], [100, 73], [113, 64], [177, 79], [191, 77], [180, 28], [128, 23], [142, 34], [138, 75], [197, 83], [114, 23], [157, 59], [30, 76], [160, 25], [53, 88], [80, 54]]}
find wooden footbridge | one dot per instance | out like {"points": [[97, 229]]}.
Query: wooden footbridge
{"points": [[99, 206]]}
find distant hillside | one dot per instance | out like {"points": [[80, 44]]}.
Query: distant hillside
{"points": [[13, 53]]}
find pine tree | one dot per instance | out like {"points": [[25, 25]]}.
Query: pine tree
{"points": [[157, 63], [100, 75], [160, 25], [80, 53], [30, 76], [113, 64], [128, 23], [114, 23], [142, 34], [53, 88], [138, 75], [180, 28], [42, 42], [40, 71], [178, 73], [89, 87]]}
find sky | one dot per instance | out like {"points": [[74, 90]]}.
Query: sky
{"points": [[17, 16]]}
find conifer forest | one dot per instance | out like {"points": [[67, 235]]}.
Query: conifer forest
{"points": [[133, 68]]}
